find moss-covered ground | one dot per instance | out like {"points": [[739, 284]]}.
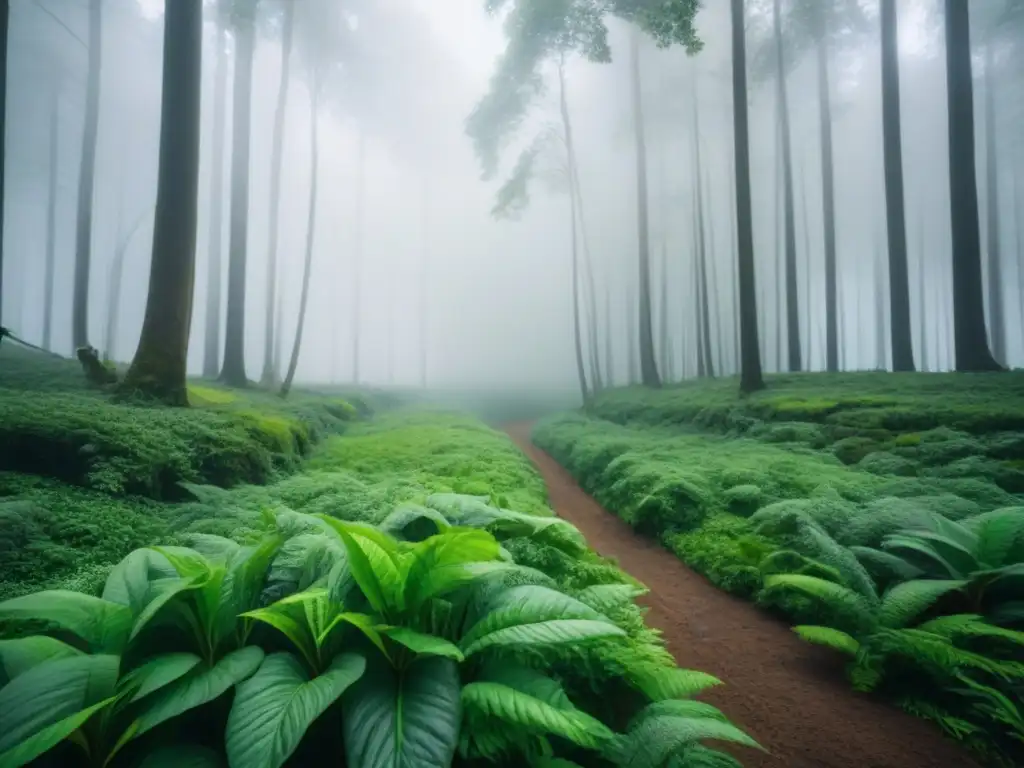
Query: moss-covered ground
{"points": [[727, 483]]}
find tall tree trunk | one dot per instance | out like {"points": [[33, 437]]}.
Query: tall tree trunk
{"points": [[922, 299], [5, 15], [892, 147], [314, 143], [159, 367], [805, 214], [972, 350], [881, 356], [270, 374], [563, 106], [996, 309], [733, 271], [792, 294], [233, 372], [698, 292], [648, 366], [357, 256], [750, 362], [51, 218], [214, 265], [609, 363], [86, 179], [780, 266], [828, 194], [1018, 218], [633, 358], [666, 342], [705, 362]]}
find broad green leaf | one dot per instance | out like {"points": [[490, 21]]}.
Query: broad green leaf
{"points": [[829, 637], [161, 593], [527, 604], [526, 680], [188, 563], [100, 623], [276, 617], [904, 602], [52, 692], [520, 710], [200, 686], [659, 682], [274, 707], [678, 708], [360, 621], [21, 655], [544, 633], [606, 597], [244, 578], [427, 645], [47, 738], [407, 719], [129, 581], [182, 756], [438, 563], [835, 595], [158, 672], [373, 569]]}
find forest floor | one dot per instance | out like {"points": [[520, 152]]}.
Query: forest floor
{"points": [[787, 694]]}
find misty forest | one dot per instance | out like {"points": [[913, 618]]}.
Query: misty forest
{"points": [[517, 383]]}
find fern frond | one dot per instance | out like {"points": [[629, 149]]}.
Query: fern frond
{"points": [[834, 595], [921, 554], [885, 566], [970, 625], [608, 597], [677, 708], [905, 602], [830, 638], [941, 655], [1000, 536], [657, 738], [703, 757], [659, 683]]}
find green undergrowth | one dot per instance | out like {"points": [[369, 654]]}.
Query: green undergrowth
{"points": [[878, 512], [52, 423]]}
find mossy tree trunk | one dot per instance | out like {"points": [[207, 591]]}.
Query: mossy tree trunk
{"points": [[314, 142], [233, 370], [794, 360], [86, 179], [159, 367], [51, 219], [214, 266], [901, 338], [271, 374], [648, 365], [971, 338], [750, 354]]}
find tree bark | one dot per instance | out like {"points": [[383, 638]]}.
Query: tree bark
{"points": [[901, 338], [271, 374], [159, 367], [750, 364], [828, 196], [648, 365], [233, 372], [563, 106], [5, 15], [357, 256], [996, 307], [51, 220], [314, 142], [214, 266], [86, 179], [795, 363], [971, 339]]}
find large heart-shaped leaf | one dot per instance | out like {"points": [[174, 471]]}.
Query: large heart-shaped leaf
{"points": [[45, 704], [100, 623], [274, 707], [129, 581], [22, 654], [199, 687], [407, 719]]}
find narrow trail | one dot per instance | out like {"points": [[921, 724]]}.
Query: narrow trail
{"points": [[788, 695]]}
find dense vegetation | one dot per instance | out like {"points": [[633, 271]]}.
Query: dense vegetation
{"points": [[880, 512], [371, 593]]}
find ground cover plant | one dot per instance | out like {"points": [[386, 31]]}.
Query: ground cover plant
{"points": [[849, 510]]}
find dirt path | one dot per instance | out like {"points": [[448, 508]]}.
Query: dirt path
{"points": [[788, 695]]}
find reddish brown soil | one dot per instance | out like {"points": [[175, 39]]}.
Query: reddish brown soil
{"points": [[788, 695]]}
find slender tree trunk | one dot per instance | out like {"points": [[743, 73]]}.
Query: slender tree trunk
{"points": [[5, 14], [631, 336], [159, 367], [734, 272], [698, 284], [86, 180], [609, 363], [666, 342], [705, 299], [648, 365], [780, 266], [922, 299], [314, 143], [806, 214], [214, 266], [270, 374], [1019, 229], [972, 350], [996, 309], [892, 146], [51, 217], [750, 367], [828, 196], [792, 294], [588, 266], [357, 256], [233, 372], [881, 356]]}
